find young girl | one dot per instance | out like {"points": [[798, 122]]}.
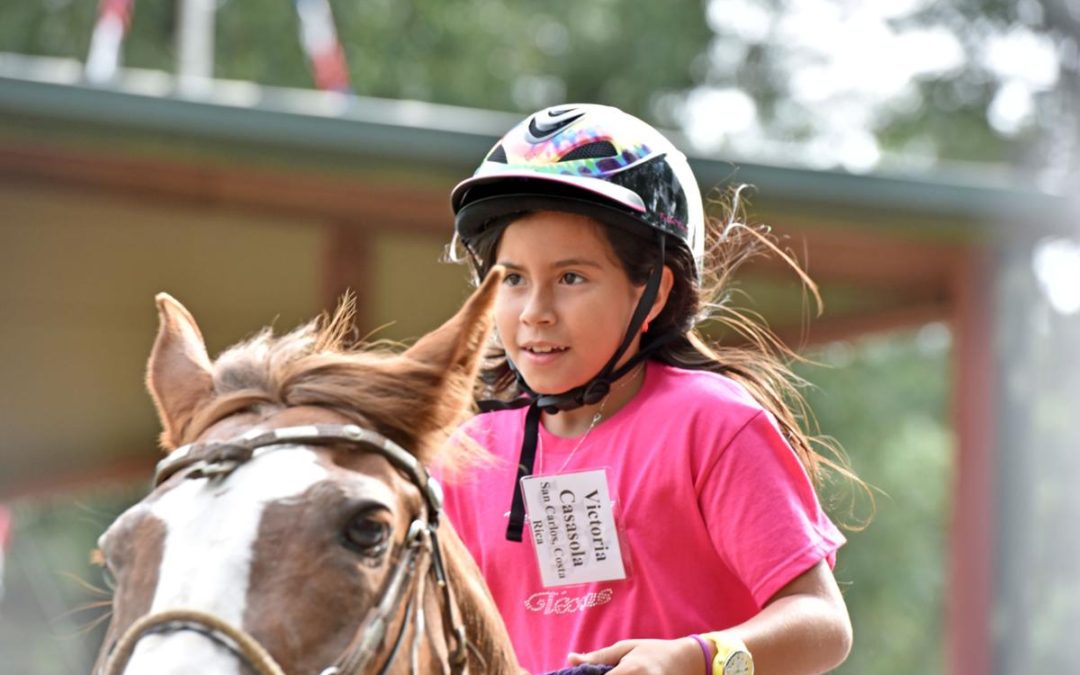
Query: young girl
{"points": [[651, 505]]}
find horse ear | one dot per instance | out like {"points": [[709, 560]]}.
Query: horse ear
{"points": [[456, 350], [178, 374]]}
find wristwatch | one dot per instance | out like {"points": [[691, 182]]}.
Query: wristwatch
{"points": [[732, 656]]}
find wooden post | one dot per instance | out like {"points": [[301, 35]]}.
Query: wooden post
{"points": [[347, 266], [969, 649]]}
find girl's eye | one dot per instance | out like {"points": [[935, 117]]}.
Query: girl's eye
{"points": [[572, 278], [512, 279]]}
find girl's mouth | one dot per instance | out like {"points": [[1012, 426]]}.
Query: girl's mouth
{"points": [[540, 355], [545, 349]]}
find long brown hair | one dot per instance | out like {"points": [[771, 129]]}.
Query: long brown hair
{"points": [[754, 356]]}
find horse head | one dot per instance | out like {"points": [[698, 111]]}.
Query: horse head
{"points": [[293, 527]]}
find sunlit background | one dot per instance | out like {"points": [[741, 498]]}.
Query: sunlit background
{"points": [[257, 158]]}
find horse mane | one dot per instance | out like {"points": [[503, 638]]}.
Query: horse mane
{"points": [[322, 363], [483, 624]]}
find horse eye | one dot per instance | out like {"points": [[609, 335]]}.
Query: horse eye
{"points": [[366, 534]]}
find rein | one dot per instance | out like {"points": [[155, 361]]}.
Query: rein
{"points": [[218, 460]]}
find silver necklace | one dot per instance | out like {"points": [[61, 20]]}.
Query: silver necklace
{"points": [[597, 416]]}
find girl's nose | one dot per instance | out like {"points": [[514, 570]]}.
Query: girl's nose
{"points": [[538, 309]]}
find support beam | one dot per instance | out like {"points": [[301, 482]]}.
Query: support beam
{"points": [[969, 574], [331, 196], [131, 467], [887, 319], [840, 255], [347, 267]]}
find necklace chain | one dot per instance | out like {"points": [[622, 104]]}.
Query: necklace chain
{"points": [[597, 416], [592, 425]]}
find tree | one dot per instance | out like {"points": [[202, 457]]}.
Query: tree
{"points": [[905, 83], [510, 56], [884, 400]]}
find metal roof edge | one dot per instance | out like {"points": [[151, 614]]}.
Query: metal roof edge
{"points": [[448, 136], [144, 100]]}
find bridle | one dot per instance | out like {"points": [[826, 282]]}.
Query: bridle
{"points": [[215, 461]]}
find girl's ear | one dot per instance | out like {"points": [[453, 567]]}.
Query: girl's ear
{"points": [[667, 282], [178, 374]]}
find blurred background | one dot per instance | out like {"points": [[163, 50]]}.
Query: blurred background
{"points": [[257, 158]]}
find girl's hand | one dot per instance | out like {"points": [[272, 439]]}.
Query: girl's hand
{"points": [[648, 657]]}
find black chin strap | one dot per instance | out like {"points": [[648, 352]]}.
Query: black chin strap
{"points": [[590, 393]]}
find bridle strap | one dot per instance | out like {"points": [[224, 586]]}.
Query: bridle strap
{"points": [[243, 644], [218, 460], [366, 643], [214, 459]]}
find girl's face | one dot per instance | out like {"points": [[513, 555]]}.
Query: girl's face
{"points": [[565, 302]]}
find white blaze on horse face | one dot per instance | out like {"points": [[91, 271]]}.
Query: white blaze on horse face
{"points": [[210, 535]]}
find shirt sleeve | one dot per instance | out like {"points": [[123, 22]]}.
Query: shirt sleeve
{"points": [[762, 512]]}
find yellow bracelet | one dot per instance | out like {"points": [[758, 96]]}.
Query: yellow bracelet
{"points": [[732, 657]]}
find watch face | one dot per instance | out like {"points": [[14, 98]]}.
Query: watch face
{"points": [[739, 663]]}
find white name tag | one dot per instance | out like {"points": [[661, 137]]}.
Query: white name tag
{"points": [[573, 528]]}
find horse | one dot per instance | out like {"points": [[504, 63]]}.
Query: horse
{"points": [[293, 526]]}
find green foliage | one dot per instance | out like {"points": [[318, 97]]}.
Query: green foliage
{"points": [[511, 56], [47, 29], [53, 594], [1037, 589], [884, 399]]}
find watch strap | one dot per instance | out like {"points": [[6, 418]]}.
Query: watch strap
{"points": [[707, 651], [725, 645]]}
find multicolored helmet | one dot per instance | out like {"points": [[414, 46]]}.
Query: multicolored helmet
{"points": [[589, 159]]}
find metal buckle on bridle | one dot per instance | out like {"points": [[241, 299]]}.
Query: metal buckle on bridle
{"points": [[212, 470]]}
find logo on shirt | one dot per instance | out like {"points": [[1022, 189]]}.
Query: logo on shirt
{"points": [[559, 602]]}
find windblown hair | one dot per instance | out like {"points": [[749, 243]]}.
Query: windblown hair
{"points": [[324, 364], [750, 354]]}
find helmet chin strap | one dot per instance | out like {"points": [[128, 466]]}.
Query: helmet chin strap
{"points": [[590, 393]]}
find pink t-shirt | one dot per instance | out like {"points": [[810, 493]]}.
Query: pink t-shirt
{"points": [[715, 511]]}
